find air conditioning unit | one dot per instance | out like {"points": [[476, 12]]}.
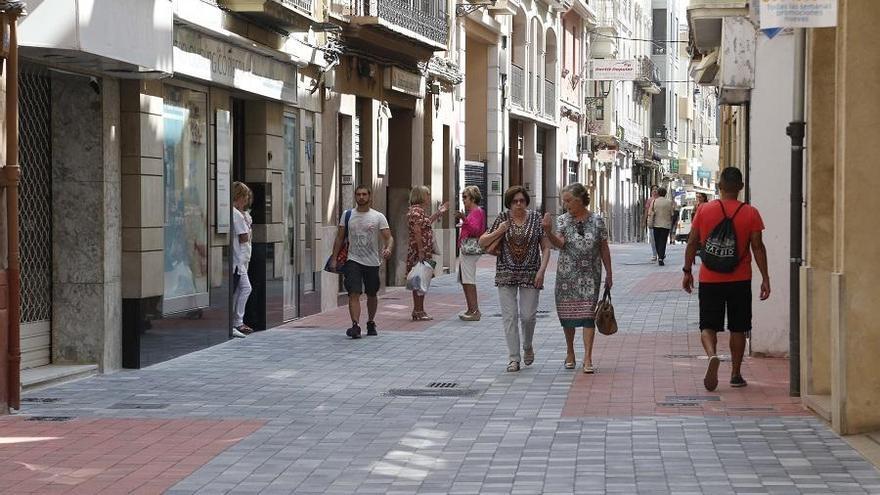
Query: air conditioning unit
{"points": [[585, 143]]}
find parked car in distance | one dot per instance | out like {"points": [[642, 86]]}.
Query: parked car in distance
{"points": [[684, 223]]}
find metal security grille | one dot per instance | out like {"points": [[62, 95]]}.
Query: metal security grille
{"points": [[35, 212]]}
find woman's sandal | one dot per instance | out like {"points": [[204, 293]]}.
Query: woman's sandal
{"points": [[421, 316], [513, 366], [589, 369], [529, 357], [569, 365]]}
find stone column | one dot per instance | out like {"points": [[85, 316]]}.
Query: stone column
{"points": [[143, 212], [819, 228], [496, 137], [264, 165], [855, 379], [86, 319]]}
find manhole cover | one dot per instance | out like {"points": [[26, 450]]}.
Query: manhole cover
{"points": [[40, 400], [49, 418], [683, 403], [137, 405], [692, 398], [442, 385], [431, 392]]}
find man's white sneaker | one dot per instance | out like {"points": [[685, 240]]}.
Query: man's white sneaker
{"points": [[236, 333]]}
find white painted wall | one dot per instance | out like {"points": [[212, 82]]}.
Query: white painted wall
{"points": [[770, 180]]}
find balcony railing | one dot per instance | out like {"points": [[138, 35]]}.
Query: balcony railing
{"points": [[649, 74], [608, 11], [517, 85], [427, 18], [549, 98], [303, 6]]}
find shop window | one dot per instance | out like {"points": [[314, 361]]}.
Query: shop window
{"points": [[186, 200]]}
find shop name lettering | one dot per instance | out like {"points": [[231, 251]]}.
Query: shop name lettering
{"points": [[222, 64]]}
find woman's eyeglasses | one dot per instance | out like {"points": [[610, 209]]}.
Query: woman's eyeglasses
{"points": [[518, 201], [580, 228]]}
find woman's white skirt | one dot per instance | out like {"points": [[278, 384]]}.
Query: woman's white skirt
{"points": [[467, 268]]}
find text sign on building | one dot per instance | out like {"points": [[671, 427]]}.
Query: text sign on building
{"points": [[703, 173], [220, 62], [613, 70], [798, 13], [404, 82]]}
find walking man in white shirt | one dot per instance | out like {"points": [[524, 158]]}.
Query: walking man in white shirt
{"points": [[361, 271]]}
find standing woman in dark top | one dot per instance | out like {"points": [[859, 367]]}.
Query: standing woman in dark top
{"points": [[519, 271]]}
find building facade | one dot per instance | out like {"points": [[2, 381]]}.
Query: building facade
{"points": [[132, 138], [620, 117]]}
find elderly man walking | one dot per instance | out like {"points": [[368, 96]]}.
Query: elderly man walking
{"points": [[661, 212]]}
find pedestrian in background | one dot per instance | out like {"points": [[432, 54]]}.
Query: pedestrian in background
{"points": [[421, 240], [582, 240], [361, 270], [676, 214], [521, 263], [661, 214], [702, 199], [473, 225], [649, 222], [729, 293], [241, 256]]}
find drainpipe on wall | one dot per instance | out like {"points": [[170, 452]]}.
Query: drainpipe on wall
{"points": [[796, 131], [11, 173]]}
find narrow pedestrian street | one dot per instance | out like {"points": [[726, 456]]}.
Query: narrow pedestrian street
{"points": [[303, 409]]}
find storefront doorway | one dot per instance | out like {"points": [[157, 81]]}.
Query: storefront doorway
{"points": [[35, 215]]}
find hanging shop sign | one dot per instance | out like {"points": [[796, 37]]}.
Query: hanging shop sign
{"points": [[797, 13], [613, 70], [210, 59], [399, 80]]}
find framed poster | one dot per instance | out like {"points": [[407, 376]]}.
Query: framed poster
{"points": [[224, 159]]}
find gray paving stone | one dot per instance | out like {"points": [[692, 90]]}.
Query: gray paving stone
{"points": [[331, 428]]}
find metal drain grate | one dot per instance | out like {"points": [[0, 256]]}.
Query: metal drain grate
{"points": [[137, 405], [751, 409], [442, 385], [49, 418], [683, 403], [692, 398], [304, 326], [39, 400], [681, 356], [431, 392]]}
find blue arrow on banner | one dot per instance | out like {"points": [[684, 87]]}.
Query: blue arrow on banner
{"points": [[771, 32]]}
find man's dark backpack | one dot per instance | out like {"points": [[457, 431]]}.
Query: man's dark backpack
{"points": [[719, 251]]}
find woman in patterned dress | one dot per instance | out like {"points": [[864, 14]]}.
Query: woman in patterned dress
{"points": [[519, 271], [582, 240], [421, 240]]}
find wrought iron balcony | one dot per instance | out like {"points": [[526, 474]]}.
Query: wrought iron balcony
{"points": [[426, 20], [649, 76], [517, 86], [291, 14]]}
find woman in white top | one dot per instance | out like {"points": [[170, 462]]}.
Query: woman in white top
{"points": [[241, 256]]}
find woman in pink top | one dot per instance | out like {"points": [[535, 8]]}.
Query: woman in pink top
{"points": [[473, 225]]}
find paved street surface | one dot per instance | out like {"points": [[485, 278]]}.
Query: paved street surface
{"points": [[302, 409]]}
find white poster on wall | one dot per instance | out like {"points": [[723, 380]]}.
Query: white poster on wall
{"points": [[224, 160], [798, 13]]}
